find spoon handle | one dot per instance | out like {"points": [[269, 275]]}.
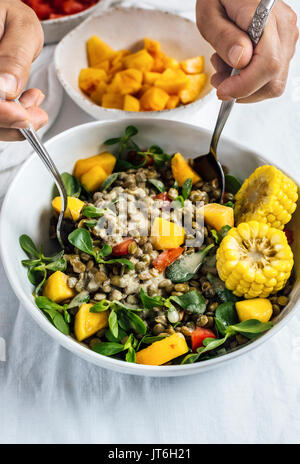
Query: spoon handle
{"points": [[255, 31], [34, 140]]}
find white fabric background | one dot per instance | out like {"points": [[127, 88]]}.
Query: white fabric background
{"points": [[47, 395]]}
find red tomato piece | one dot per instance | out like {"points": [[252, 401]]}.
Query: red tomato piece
{"points": [[121, 249], [162, 196], [43, 10], [166, 258], [72, 7], [289, 235], [199, 335], [150, 161]]}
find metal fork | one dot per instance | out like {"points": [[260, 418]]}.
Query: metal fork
{"points": [[208, 165], [34, 140]]}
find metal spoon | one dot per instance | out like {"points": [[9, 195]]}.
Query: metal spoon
{"points": [[34, 140], [208, 165]]}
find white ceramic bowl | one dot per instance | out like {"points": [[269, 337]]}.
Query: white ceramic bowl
{"points": [[26, 210], [56, 29], [124, 28]]}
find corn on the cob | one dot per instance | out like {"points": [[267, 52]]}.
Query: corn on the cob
{"points": [[254, 260], [267, 196]]}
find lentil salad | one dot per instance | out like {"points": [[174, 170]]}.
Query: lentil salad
{"points": [[124, 294]]}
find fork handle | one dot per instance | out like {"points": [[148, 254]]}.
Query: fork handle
{"points": [[31, 136], [255, 31]]}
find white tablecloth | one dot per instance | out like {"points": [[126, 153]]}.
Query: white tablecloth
{"points": [[48, 395]]}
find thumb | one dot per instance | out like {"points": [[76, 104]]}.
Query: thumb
{"points": [[20, 44], [230, 42]]}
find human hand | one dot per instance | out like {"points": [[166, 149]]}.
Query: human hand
{"points": [[22, 40], [264, 70]]}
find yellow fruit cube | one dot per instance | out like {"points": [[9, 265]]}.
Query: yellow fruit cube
{"points": [[258, 308], [193, 65], [171, 63], [163, 351], [196, 85], [105, 65], [87, 323], [152, 46], [154, 99], [131, 103], [94, 178], [159, 64], [172, 81], [182, 170], [56, 287], [97, 95], [98, 51], [151, 77], [141, 60], [217, 216], [112, 100], [89, 79], [166, 235], [74, 207], [172, 102], [143, 90], [127, 81], [106, 160]]}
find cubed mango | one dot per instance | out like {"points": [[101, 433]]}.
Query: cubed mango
{"points": [[89, 79], [166, 235], [98, 51], [163, 351], [182, 170], [94, 178], [131, 103], [196, 85], [56, 287], [218, 216], [127, 81], [193, 65], [112, 100], [74, 207], [87, 323], [257, 308], [154, 99], [106, 160], [141, 60]]}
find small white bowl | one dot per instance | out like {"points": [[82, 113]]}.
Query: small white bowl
{"points": [[27, 210], [124, 28], [56, 29]]}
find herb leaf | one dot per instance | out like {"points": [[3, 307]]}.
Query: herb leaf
{"points": [[192, 302], [108, 348], [72, 185], [232, 184], [113, 323], [112, 141], [224, 295], [225, 316], [158, 184], [81, 239], [29, 247], [109, 181], [93, 212], [150, 302], [101, 306], [184, 268], [187, 188]]}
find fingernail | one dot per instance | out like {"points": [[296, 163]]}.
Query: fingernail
{"points": [[235, 54], [20, 124], [225, 98], [8, 85], [40, 99]]}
